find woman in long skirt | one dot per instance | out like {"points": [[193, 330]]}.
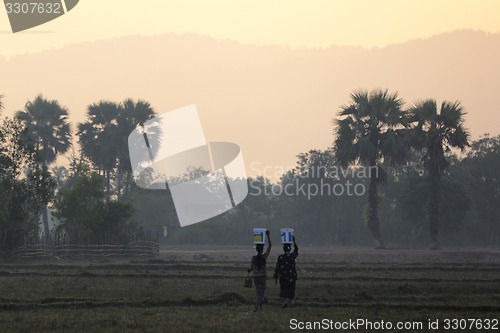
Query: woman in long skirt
{"points": [[258, 267], [286, 272]]}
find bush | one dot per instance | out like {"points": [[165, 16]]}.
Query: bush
{"points": [[85, 214]]}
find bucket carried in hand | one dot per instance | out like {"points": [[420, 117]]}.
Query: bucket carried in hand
{"points": [[286, 236]]}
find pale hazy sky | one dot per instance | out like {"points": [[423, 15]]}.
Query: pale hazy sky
{"points": [[296, 23]]}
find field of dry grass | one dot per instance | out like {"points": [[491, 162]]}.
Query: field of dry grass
{"points": [[200, 290]]}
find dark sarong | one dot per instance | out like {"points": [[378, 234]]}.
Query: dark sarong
{"points": [[287, 289], [260, 288]]}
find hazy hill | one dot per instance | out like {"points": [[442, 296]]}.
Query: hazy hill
{"points": [[274, 101]]}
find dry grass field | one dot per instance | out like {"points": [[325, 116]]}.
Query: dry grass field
{"points": [[200, 290]]}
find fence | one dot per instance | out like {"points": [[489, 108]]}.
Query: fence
{"points": [[33, 251], [132, 249]]}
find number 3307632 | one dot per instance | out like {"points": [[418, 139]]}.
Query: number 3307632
{"points": [[33, 8]]}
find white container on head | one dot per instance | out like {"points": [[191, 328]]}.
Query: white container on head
{"points": [[286, 236], [259, 236]]}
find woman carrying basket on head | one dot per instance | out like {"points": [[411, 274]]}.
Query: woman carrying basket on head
{"points": [[286, 273], [258, 267]]}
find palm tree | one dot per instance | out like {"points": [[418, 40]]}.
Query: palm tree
{"points": [[98, 138], [132, 115], [50, 132], [436, 132], [369, 132], [104, 137], [61, 174]]}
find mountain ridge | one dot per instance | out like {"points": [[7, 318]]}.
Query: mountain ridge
{"points": [[274, 101], [355, 48]]}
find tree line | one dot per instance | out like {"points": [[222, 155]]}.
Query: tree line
{"points": [[430, 180], [432, 183], [91, 198]]}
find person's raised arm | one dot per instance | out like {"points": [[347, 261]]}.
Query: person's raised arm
{"points": [[268, 234], [295, 248]]}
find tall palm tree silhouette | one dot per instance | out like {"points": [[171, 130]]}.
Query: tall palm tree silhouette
{"points": [[436, 131], [48, 129], [98, 137], [369, 131]]}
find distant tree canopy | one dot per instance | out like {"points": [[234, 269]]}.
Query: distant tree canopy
{"points": [[24, 187], [413, 203], [48, 128], [110, 124], [85, 216], [329, 197], [482, 170]]}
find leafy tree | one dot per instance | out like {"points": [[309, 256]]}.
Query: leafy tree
{"points": [[482, 165], [76, 206], [370, 131], [322, 205], [86, 217], [300, 196], [436, 132], [20, 194], [117, 225], [413, 198], [50, 133], [153, 209]]}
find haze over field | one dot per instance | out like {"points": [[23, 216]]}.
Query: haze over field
{"points": [[275, 102], [111, 242]]}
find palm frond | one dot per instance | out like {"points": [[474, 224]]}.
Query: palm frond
{"points": [[452, 114], [363, 125], [47, 126]]}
